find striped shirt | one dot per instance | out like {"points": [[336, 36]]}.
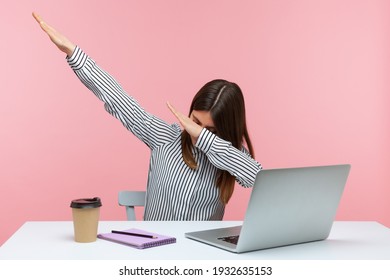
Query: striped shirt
{"points": [[174, 190]]}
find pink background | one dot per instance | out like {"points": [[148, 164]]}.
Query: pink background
{"points": [[314, 74]]}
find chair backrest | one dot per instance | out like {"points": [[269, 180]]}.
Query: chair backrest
{"points": [[130, 199]]}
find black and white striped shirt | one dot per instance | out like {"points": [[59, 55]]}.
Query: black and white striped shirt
{"points": [[174, 191]]}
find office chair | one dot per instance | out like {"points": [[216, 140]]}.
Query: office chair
{"points": [[130, 199]]}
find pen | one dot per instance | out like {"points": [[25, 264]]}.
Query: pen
{"points": [[133, 234]]}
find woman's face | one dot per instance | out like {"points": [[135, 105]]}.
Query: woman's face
{"points": [[203, 119]]}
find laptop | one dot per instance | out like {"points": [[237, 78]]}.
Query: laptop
{"points": [[287, 206]]}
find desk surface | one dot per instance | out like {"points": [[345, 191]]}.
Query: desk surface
{"points": [[54, 240]]}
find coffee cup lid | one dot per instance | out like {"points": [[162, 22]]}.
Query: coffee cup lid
{"points": [[82, 203]]}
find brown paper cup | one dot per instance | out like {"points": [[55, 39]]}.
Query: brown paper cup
{"points": [[85, 212]]}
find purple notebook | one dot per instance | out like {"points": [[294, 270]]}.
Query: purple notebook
{"points": [[138, 241]]}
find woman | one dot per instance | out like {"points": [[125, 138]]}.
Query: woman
{"points": [[192, 171]]}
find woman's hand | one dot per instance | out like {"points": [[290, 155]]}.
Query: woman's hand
{"points": [[63, 43], [189, 125]]}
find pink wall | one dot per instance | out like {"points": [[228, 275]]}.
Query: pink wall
{"points": [[315, 76]]}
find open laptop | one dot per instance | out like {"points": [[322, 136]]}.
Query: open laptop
{"points": [[287, 206]]}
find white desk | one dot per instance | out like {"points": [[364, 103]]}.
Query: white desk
{"points": [[54, 241]]}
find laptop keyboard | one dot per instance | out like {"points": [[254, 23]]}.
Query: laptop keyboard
{"points": [[231, 239]]}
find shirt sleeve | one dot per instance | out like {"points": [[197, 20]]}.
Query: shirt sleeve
{"points": [[223, 155], [148, 128]]}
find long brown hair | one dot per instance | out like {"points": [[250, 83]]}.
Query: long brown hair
{"points": [[225, 102]]}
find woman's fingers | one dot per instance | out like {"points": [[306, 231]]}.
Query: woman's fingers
{"points": [[176, 113], [184, 120], [41, 22], [189, 125], [48, 29], [37, 17]]}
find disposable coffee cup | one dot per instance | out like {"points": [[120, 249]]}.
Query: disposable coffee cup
{"points": [[85, 212]]}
